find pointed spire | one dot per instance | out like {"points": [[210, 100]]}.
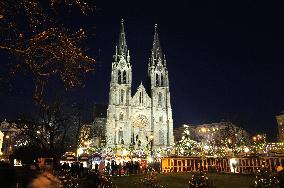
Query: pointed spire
{"points": [[156, 50], [122, 47]]}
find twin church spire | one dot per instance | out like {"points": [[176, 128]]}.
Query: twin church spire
{"points": [[156, 52]]}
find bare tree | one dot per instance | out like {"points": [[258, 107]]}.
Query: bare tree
{"points": [[49, 130], [44, 47]]}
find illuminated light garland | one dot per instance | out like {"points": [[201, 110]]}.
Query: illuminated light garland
{"points": [[189, 147]]}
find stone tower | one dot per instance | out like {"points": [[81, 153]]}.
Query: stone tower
{"points": [[158, 86], [118, 114]]}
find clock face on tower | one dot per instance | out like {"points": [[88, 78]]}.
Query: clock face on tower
{"points": [[159, 67]]}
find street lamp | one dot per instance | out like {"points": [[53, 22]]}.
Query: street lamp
{"points": [[246, 150], [233, 164], [80, 151], [151, 145]]}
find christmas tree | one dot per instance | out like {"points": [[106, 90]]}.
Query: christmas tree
{"points": [[265, 179], [187, 146]]}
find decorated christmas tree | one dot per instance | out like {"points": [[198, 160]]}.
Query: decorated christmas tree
{"points": [[264, 179], [186, 146]]}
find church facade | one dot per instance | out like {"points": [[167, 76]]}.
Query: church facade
{"points": [[143, 118]]}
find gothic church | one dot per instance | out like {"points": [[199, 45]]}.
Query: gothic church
{"points": [[145, 117]]}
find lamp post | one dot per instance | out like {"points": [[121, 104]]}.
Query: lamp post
{"points": [[234, 164], [151, 145], [115, 139], [246, 150]]}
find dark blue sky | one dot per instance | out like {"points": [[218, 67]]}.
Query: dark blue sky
{"points": [[225, 59]]}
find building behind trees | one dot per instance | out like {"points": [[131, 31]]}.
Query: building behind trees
{"points": [[280, 122]]}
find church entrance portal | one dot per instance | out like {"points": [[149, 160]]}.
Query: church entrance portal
{"points": [[140, 134]]}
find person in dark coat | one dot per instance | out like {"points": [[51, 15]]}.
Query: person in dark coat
{"points": [[96, 167], [7, 175]]}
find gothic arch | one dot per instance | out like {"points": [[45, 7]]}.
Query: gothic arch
{"points": [[124, 77], [121, 96], [160, 99], [157, 79], [119, 77], [121, 116], [161, 137], [162, 80], [120, 135], [140, 125], [141, 98]]}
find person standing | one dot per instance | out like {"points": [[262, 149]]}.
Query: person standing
{"points": [[108, 168], [102, 167]]}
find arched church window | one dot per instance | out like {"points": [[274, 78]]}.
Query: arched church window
{"points": [[161, 137], [162, 80], [139, 143], [160, 99], [121, 117], [157, 79], [121, 96], [120, 134], [124, 77], [140, 98], [161, 118], [119, 77]]}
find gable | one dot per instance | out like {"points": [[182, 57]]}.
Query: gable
{"points": [[141, 98]]}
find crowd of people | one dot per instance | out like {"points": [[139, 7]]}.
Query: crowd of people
{"points": [[72, 174], [76, 169], [122, 168], [75, 175]]}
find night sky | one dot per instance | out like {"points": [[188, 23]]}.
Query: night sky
{"points": [[225, 59]]}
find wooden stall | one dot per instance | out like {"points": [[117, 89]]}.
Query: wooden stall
{"points": [[250, 165], [245, 165], [185, 164]]}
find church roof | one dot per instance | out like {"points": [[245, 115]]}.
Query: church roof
{"points": [[140, 87], [136, 99]]}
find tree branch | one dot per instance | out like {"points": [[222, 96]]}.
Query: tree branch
{"points": [[12, 49]]}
